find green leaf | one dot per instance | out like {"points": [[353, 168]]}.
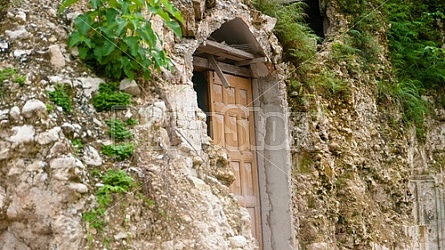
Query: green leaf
{"points": [[125, 8], [111, 14], [148, 35], [96, 3], [175, 27], [83, 24], [83, 53], [139, 3], [121, 25], [74, 39], [168, 6], [108, 47], [114, 4], [133, 44], [65, 4], [128, 72]]}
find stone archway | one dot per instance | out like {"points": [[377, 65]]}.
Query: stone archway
{"points": [[233, 50]]}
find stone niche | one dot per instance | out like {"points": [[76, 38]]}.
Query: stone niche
{"points": [[428, 212]]}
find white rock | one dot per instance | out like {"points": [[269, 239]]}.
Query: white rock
{"points": [[238, 241], [4, 114], [2, 197], [68, 127], [48, 136], [4, 150], [20, 33], [22, 134], [57, 58], [120, 236], [91, 157], [15, 113], [71, 16], [90, 85], [97, 122], [21, 16], [20, 53], [55, 79], [78, 187], [131, 87], [75, 52], [32, 107], [318, 246], [36, 166], [63, 163], [152, 114], [199, 184]]}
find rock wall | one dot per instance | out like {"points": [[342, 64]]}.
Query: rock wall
{"points": [[360, 180], [47, 182]]}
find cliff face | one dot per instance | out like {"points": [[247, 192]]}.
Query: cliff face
{"points": [[362, 178], [357, 172]]}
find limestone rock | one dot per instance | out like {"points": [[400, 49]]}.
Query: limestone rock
{"points": [[238, 241], [130, 87], [152, 114], [20, 33], [4, 114], [120, 236], [48, 136], [91, 157], [15, 113], [318, 246], [78, 187], [33, 107], [2, 197], [90, 85], [57, 59], [22, 134], [4, 150]]}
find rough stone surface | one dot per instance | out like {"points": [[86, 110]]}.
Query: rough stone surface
{"points": [[15, 113], [49, 136], [131, 87], [20, 33], [22, 134], [57, 58], [355, 167], [90, 85], [33, 107], [91, 157]]}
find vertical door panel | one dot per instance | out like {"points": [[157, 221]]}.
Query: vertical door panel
{"points": [[232, 127]]}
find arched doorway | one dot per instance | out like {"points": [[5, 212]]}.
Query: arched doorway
{"points": [[246, 114]]}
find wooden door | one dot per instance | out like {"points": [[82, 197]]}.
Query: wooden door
{"points": [[232, 127]]}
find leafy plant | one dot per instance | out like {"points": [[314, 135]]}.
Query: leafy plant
{"points": [[6, 73], [115, 182], [109, 96], [20, 80], [78, 145], [132, 122], [117, 130], [297, 38], [119, 151], [49, 107], [60, 97], [117, 37]]}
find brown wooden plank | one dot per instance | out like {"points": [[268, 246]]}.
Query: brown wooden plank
{"points": [[255, 60], [203, 63], [222, 50], [218, 71]]}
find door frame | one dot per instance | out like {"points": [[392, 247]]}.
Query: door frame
{"points": [[274, 166]]}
